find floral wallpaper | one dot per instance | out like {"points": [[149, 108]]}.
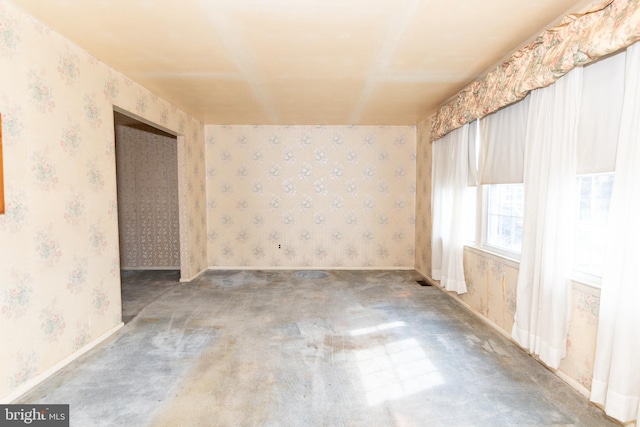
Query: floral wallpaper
{"points": [[491, 285], [59, 256], [491, 288], [147, 165], [609, 26], [581, 344], [310, 196], [423, 199]]}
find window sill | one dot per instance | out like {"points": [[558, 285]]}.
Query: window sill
{"points": [[586, 283], [581, 282], [483, 251]]}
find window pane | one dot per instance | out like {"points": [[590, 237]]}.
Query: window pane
{"points": [[594, 192], [603, 184], [585, 197], [505, 209]]}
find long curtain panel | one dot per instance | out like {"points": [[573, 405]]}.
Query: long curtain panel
{"points": [[544, 289], [450, 178], [616, 378]]}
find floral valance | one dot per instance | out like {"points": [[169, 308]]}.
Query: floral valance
{"points": [[607, 27]]}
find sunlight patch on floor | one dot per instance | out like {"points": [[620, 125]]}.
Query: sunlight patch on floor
{"points": [[372, 329], [396, 370]]}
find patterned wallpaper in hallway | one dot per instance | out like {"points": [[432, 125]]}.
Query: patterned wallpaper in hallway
{"points": [[147, 165], [310, 196]]}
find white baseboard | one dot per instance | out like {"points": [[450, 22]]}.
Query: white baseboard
{"points": [[423, 274], [283, 268], [188, 279], [573, 383], [254, 268], [477, 314], [29, 385]]}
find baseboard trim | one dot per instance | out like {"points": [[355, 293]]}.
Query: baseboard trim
{"points": [[150, 268], [254, 268], [189, 279], [573, 383], [29, 385], [282, 268], [475, 313]]}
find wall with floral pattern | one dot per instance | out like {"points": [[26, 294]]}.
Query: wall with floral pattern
{"points": [[491, 285], [423, 199], [330, 196], [59, 262], [147, 165], [581, 343], [310, 196]]}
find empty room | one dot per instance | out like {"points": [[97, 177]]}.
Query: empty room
{"points": [[319, 213]]}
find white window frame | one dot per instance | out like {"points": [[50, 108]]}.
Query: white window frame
{"points": [[485, 224], [578, 275], [481, 219], [479, 240]]}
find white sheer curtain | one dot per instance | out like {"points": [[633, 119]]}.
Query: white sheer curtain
{"points": [[544, 289], [616, 377], [474, 147], [450, 178]]}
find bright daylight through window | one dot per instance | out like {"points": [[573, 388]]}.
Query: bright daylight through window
{"points": [[505, 215], [594, 192]]}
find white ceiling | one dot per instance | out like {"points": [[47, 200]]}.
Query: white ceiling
{"points": [[301, 61]]}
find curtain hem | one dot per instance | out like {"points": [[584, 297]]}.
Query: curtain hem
{"points": [[550, 356], [621, 407], [457, 286]]}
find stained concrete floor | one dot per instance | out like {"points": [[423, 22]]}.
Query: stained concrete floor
{"points": [[284, 348]]}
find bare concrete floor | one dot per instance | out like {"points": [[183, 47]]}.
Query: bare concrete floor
{"points": [[284, 348]]}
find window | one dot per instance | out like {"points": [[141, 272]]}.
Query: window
{"points": [[504, 216], [594, 196], [501, 220], [495, 218]]}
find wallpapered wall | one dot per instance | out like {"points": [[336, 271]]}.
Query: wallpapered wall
{"points": [[59, 266], [147, 165], [491, 285], [331, 196], [423, 199]]}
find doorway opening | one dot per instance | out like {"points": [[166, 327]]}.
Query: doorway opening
{"points": [[148, 208]]}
